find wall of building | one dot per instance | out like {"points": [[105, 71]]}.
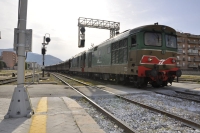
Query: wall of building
{"points": [[10, 58], [188, 57]]}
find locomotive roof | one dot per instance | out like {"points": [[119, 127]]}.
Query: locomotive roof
{"points": [[138, 29], [153, 28]]}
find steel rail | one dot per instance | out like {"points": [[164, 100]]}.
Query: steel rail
{"points": [[187, 98], [188, 93], [187, 122], [120, 123], [10, 80]]}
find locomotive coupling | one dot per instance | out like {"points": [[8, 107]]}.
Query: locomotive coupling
{"points": [[178, 73], [152, 73]]}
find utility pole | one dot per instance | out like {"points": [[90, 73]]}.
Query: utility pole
{"points": [[20, 105]]}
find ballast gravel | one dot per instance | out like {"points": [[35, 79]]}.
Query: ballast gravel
{"points": [[107, 125], [184, 108], [140, 119]]}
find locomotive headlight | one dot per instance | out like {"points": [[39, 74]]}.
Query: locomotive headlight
{"points": [[149, 59], [173, 60]]}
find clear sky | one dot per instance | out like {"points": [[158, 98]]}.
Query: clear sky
{"points": [[59, 18]]}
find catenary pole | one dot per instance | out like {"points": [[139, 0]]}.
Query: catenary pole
{"points": [[20, 105]]}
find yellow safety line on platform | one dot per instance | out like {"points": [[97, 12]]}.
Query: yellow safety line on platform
{"points": [[38, 124]]}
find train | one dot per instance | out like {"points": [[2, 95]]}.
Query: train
{"points": [[143, 55]]}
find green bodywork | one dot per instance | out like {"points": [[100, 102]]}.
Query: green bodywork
{"points": [[106, 58]]}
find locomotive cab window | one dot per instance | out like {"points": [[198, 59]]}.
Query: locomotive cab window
{"points": [[133, 41], [153, 39], [170, 41]]}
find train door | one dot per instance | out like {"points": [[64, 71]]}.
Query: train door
{"points": [[69, 63], [83, 57], [77, 62], [133, 53], [90, 59]]}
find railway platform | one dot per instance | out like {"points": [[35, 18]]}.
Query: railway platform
{"points": [[53, 114]]}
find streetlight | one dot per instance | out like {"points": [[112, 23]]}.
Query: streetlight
{"points": [[0, 34], [47, 39]]}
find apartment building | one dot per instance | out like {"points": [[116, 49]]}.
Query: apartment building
{"points": [[10, 58], [188, 56]]}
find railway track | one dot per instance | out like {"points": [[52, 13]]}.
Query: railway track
{"points": [[182, 95], [120, 123], [187, 122], [10, 80], [179, 94]]}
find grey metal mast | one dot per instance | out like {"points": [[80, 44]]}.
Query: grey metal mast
{"points": [[20, 105]]}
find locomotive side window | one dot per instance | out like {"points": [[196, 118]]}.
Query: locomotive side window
{"points": [[133, 41], [153, 39], [170, 41]]}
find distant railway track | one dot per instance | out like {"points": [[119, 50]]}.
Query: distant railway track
{"points": [[187, 122], [183, 95], [10, 80]]}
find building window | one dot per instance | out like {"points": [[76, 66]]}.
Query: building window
{"points": [[189, 59]]}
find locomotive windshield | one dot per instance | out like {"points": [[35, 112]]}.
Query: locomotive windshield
{"points": [[170, 41], [153, 39]]}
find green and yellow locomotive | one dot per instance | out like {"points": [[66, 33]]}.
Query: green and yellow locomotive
{"points": [[142, 55]]}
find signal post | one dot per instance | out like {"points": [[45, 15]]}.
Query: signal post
{"points": [[47, 39]]}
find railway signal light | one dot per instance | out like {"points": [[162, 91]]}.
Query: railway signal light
{"points": [[48, 39], [82, 37], [43, 51], [82, 30]]}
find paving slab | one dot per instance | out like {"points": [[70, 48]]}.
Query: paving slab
{"points": [[122, 90], [52, 115]]}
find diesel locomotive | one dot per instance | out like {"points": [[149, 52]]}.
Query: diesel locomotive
{"points": [[142, 55]]}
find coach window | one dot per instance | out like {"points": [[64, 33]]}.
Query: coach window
{"points": [[133, 41]]}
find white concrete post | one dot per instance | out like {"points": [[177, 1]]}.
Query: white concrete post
{"points": [[33, 71], [20, 105]]}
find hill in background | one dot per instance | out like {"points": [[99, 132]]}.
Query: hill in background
{"points": [[33, 57]]}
